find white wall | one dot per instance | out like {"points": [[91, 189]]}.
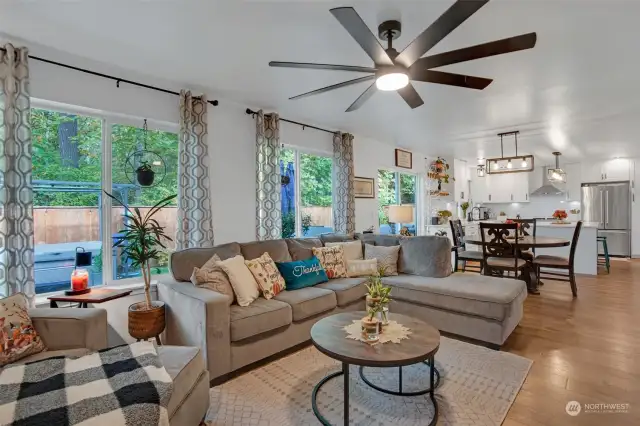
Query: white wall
{"points": [[369, 157]]}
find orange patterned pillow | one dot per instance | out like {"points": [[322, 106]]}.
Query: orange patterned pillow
{"points": [[267, 275], [332, 260], [18, 338]]}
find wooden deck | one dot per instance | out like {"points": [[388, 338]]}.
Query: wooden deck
{"points": [[585, 349]]}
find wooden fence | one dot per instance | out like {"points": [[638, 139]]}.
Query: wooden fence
{"points": [[320, 216], [54, 225]]}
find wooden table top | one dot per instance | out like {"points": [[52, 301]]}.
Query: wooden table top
{"points": [[528, 242], [96, 295], [328, 336]]}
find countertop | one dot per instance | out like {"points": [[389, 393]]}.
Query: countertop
{"points": [[543, 224]]}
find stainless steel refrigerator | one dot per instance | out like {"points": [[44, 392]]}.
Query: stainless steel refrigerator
{"points": [[609, 205]]}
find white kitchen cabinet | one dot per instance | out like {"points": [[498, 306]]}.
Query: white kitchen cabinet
{"points": [[501, 188], [519, 187], [478, 189], [461, 183], [606, 171], [574, 181]]}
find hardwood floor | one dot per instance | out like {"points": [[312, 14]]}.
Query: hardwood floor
{"points": [[585, 349]]}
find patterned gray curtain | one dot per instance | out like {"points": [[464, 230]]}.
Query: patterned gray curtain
{"points": [[268, 208], [16, 193], [195, 220], [344, 205]]}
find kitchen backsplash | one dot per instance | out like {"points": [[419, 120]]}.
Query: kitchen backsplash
{"points": [[542, 206]]}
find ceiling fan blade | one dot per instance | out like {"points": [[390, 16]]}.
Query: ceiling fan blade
{"points": [[353, 23], [364, 97], [335, 86], [321, 66], [498, 47], [450, 79], [411, 96], [447, 22]]}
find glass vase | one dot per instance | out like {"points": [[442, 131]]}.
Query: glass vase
{"points": [[370, 332]]}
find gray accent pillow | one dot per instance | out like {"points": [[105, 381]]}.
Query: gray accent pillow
{"points": [[387, 257], [336, 238], [277, 249], [300, 248], [379, 239], [427, 256]]}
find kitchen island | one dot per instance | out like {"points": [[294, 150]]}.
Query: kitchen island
{"points": [[586, 260]]}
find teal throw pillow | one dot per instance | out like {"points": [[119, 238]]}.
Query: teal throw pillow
{"points": [[302, 273]]}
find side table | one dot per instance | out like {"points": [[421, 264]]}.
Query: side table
{"points": [[96, 295]]}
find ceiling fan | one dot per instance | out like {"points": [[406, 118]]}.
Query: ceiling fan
{"points": [[395, 71]]}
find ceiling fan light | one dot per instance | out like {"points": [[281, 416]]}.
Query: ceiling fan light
{"points": [[392, 81]]}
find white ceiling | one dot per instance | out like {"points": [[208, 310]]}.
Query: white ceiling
{"points": [[576, 91]]}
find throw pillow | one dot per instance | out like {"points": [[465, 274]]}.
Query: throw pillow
{"points": [[302, 273], [362, 268], [18, 338], [332, 260], [352, 249], [244, 285], [211, 276], [387, 257], [267, 276]]}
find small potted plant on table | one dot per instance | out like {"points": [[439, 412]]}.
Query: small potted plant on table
{"points": [[444, 215], [140, 242], [377, 301]]}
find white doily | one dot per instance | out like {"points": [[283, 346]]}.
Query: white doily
{"points": [[392, 332]]}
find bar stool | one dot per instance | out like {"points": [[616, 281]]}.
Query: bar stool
{"points": [[603, 259]]}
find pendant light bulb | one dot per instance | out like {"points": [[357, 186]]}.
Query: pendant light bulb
{"points": [[509, 165], [495, 165], [524, 162]]}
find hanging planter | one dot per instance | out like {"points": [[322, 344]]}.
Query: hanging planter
{"points": [[145, 174]]}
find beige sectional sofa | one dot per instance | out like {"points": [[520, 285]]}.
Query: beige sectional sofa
{"points": [[231, 337]]}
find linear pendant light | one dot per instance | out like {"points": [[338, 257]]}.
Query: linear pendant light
{"points": [[516, 164]]}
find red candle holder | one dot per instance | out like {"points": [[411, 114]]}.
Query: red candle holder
{"points": [[79, 280]]}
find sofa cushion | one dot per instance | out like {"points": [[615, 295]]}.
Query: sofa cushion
{"points": [[332, 260], [428, 256], [352, 249], [379, 239], [336, 238], [266, 273], [182, 262], [242, 281], [18, 336], [185, 365], [211, 276], [277, 249], [468, 293], [387, 257], [308, 301], [300, 248], [348, 290], [261, 316], [73, 353]]}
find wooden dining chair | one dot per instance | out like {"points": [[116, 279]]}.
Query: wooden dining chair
{"points": [[500, 254], [527, 228], [558, 262], [460, 251]]}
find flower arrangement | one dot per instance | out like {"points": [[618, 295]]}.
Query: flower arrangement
{"points": [[560, 215], [464, 206]]}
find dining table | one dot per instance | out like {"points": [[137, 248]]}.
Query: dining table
{"points": [[524, 243]]}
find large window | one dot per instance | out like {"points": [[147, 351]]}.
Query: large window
{"points": [[75, 157], [306, 193], [395, 188]]}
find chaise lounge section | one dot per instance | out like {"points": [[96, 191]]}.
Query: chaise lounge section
{"points": [[231, 337]]}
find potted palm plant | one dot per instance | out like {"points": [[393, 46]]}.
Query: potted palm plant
{"points": [[141, 242]]}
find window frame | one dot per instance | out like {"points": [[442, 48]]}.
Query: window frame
{"points": [[298, 150], [108, 119]]}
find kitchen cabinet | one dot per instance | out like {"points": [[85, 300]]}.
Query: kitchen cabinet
{"points": [[478, 188], [461, 183], [606, 171], [504, 188], [574, 181]]}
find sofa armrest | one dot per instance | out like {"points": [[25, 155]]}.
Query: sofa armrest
{"points": [[198, 317], [67, 328]]}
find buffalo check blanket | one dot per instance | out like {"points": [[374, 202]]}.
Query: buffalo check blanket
{"points": [[125, 385]]}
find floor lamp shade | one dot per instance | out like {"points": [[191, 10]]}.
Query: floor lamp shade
{"points": [[401, 214]]}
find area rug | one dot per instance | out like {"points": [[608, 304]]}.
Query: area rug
{"points": [[478, 386]]}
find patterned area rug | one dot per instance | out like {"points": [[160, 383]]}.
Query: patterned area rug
{"points": [[477, 387]]}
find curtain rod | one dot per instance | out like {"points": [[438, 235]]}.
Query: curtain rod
{"points": [[333, 132], [110, 77]]}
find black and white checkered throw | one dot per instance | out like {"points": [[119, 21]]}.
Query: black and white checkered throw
{"points": [[125, 385]]}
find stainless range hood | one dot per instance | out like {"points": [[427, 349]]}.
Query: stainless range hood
{"points": [[548, 187]]}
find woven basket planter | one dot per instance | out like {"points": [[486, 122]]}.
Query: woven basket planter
{"points": [[146, 323]]}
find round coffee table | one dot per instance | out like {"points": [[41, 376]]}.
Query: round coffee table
{"points": [[329, 338]]}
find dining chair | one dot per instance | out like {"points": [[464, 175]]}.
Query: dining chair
{"points": [[460, 250], [500, 252], [527, 229], [558, 262]]}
